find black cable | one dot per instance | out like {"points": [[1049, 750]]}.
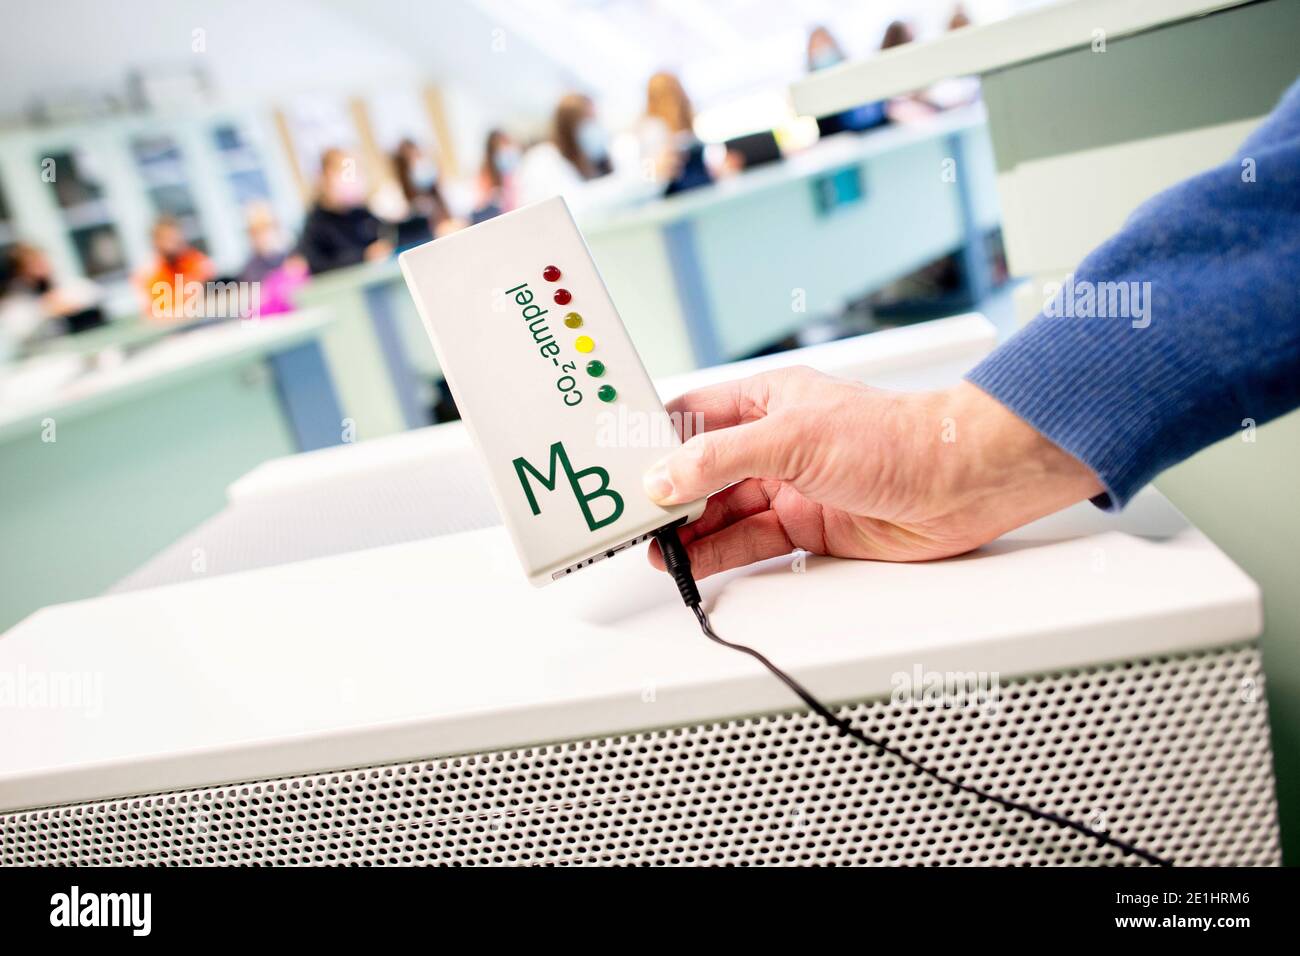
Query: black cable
{"points": [[678, 564]]}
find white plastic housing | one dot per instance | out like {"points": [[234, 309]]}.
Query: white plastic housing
{"points": [[564, 464]]}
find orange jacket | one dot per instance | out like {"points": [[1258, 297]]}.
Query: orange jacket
{"points": [[164, 283]]}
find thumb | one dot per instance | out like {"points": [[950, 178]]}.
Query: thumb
{"points": [[713, 460]]}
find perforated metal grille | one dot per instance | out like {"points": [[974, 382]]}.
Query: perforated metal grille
{"points": [[1171, 754]]}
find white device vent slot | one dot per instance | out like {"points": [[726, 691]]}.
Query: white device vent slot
{"points": [[607, 553], [1169, 753]]}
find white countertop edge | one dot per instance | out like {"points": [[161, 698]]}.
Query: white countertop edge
{"points": [[1199, 626], [982, 49], [827, 155], [165, 361]]}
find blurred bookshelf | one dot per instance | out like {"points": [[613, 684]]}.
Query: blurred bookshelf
{"points": [[161, 165], [88, 192], [242, 164], [79, 191]]}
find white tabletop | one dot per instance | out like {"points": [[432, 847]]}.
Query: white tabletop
{"points": [[927, 355], [153, 366], [439, 646], [827, 155]]}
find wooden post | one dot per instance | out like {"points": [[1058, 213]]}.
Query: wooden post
{"points": [[433, 102]]}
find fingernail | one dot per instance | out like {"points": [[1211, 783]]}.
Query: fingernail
{"points": [[657, 483]]}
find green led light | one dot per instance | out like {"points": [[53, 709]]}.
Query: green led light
{"points": [[606, 393], [595, 368], [573, 320]]}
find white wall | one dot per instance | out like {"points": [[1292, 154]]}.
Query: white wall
{"points": [[499, 62], [255, 49], [267, 52]]}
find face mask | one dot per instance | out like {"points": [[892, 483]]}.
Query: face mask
{"points": [[424, 176], [824, 58], [350, 193], [266, 242], [591, 140], [505, 160]]}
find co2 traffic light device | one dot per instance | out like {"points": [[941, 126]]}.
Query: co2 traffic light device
{"points": [[549, 385]]}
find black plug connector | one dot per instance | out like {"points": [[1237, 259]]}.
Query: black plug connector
{"points": [[678, 563]]}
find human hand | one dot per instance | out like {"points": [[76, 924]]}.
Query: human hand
{"points": [[447, 226], [379, 249], [835, 467], [56, 305], [668, 164]]}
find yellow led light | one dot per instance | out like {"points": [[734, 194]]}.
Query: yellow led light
{"points": [[584, 343]]}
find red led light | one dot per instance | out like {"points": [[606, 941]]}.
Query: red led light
{"points": [[563, 296], [551, 274]]}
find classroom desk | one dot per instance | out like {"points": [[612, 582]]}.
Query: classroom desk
{"points": [[386, 328], [126, 332], [421, 703], [1093, 107], [429, 481], [103, 468], [714, 274]]}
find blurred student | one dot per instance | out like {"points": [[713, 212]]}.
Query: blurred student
{"points": [[576, 153], [958, 90], [34, 305], [824, 52], [339, 230], [898, 33], [419, 177], [278, 270], [909, 107], [166, 282], [671, 153], [496, 176]]}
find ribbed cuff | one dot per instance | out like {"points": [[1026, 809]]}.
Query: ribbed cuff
{"points": [[1092, 390]]}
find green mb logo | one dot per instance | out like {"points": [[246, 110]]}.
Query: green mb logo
{"points": [[548, 481]]}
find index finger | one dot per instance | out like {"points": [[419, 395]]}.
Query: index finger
{"points": [[720, 406]]}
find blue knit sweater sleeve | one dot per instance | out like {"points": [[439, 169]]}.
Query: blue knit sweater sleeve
{"points": [[1178, 329]]}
